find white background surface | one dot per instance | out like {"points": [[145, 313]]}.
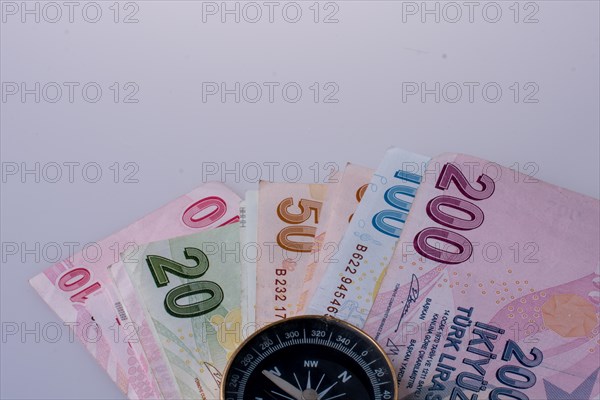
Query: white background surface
{"points": [[168, 135]]}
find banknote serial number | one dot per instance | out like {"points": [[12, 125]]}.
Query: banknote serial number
{"points": [[280, 292], [346, 278]]}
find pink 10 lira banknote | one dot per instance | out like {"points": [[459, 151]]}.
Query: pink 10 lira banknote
{"points": [[80, 289], [494, 288]]}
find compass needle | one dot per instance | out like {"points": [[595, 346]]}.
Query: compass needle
{"points": [[283, 385], [309, 357]]}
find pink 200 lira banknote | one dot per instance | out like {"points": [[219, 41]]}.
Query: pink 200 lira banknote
{"points": [[493, 290], [80, 289]]}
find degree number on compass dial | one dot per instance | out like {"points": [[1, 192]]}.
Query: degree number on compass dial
{"points": [[309, 358]]}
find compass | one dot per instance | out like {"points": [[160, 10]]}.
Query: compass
{"points": [[309, 358]]}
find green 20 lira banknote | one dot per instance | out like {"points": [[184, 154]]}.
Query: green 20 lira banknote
{"points": [[190, 291]]}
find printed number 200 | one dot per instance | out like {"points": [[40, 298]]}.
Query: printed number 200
{"points": [[160, 265], [474, 216]]}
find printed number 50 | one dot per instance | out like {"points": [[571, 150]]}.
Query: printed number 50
{"points": [[160, 265], [306, 211]]}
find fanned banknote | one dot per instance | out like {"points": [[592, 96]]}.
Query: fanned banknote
{"points": [[145, 340], [190, 289], [350, 282], [288, 215], [338, 208], [494, 289], [80, 289], [249, 253]]}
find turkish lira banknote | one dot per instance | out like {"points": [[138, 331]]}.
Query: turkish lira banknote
{"points": [[494, 288], [341, 202], [190, 288], [477, 281], [288, 216], [351, 279], [81, 291]]}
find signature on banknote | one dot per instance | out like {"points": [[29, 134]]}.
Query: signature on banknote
{"points": [[413, 295]]}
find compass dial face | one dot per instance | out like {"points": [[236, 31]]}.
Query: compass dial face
{"points": [[309, 358]]}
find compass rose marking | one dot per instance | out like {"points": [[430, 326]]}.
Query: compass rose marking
{"points": [[324, 392], [335, 397], [282, 395], [286, 388], [297, 381], [319, 384]]}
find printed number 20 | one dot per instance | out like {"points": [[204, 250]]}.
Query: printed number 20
{"points": [[160, 265]]}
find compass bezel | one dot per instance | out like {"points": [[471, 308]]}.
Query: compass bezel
{"points": [[322, 319]]}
